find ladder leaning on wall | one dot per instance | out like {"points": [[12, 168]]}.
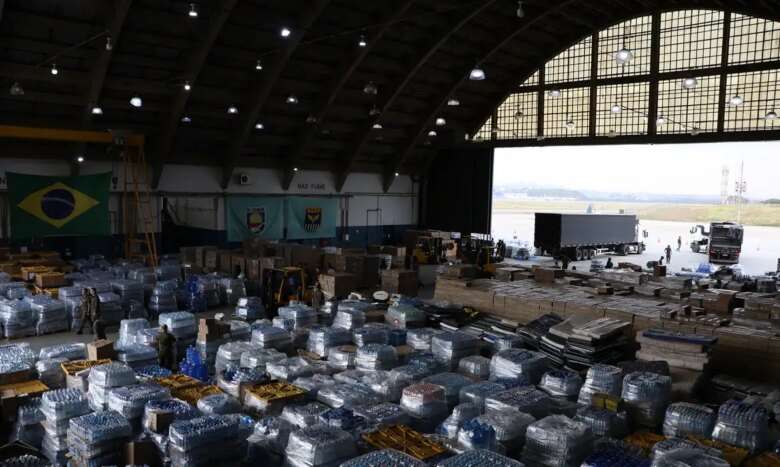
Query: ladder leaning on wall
{"points": [[138, 215]]}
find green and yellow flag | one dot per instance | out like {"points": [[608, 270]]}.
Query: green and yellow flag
{"points": [[47, 206]]}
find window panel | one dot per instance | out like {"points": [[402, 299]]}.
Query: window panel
{"points": [[632, 101], [753, 40], [571, 106], [688, 110], [517, 117], [533, 80], [571, 65], [691, 39], [759, 91], [485, 132], [634, 35]]}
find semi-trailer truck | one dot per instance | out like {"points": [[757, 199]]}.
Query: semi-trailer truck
{"points": [[581, 236]]}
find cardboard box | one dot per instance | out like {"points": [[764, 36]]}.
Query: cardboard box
{"points": [[659, 271], [337, 284], [49, 280], [210, 328], [547, 275], [200, 255], [159, 422], [237, 260], [100, 349], [29, 272], [15, 377], [400, 281], [143, 453], [225, 261], [16, 394]]}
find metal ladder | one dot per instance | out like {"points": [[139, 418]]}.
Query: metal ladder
{"points": [[137, 211]]}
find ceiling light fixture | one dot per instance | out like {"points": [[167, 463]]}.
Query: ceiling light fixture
{"points": [[292, 99], [374, 111], [186, 119], [109, 45], [441, 121], [477, 74], [16, 89], [285, 32], [193, 13], [295, 169], [258, 65], [661, 120], [259, 126], [136, 101], [623, 56], [453, 102], [616, 109], [187, 86], [771, 115], [519, 114], [690, 83], [97, 110], [362, 42], [432, 133], [612, 134], [570, 124], [397, 174], [232, 110], [371, 89], [695, 131], [737, 100], [554, 93], [54, 70], [377, 126], [80, 159], [520, 12]]}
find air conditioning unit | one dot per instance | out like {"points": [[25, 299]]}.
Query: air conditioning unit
{"points": [[244, 179]]}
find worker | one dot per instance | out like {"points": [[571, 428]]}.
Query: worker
{"points": [[166, 344], [98, 325], [565, 261], [661, 261], [609, 264], [679, 243], [317, 297], [85, 312], [668, 251]]}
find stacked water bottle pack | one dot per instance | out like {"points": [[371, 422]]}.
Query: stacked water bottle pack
{"points": [[75, 351], [477, 392], [475, 366], [14, 290], [233, 378], [111, 310], [460, 415], [742, 424], [219, 404], [15, 358], [347, 395], [272, 337], [684, 419], [128, 290], [128, 332], [231, 290], [313, 384], [518, 367], [249, 308], [385, 458], [561, 383], [376, 357], [603, 422], [449, 347], [451, 383], [173, 409], [557, 441], [169, 271], [27, 427], [58, 407], [50, 372], [150, 372], [98, 438], [51, 314], [479, 457], [668, 445], [71, 296], [193, 365], [688, 458], [526, 399], [181, 324], [17, 318], [229, 355], [509, 428], [646, 396], [103, 378], [425, 403], [349, 316], [420, 339], [289, 368], [208, 288], [404, 315], [208, 440], [319, 445], [130, 400], [342, 357], [163, 298], [257, 358], [303, 415], [601, 379], [322, 339], [372, 333]]}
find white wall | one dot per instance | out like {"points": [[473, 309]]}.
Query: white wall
{"points": [[198, 199]]}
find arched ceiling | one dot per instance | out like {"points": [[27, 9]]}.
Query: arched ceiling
{"points": [[418, 54]]}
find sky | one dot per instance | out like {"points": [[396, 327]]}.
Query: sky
{"points": [[679, 169]]}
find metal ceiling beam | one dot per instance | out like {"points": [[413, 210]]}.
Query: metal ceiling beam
{"points": [[398, 88], [2, 6], [259, 94], [341, 79], [192, 70], [396, 164]]}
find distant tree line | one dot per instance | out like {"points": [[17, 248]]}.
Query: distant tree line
{"points": [[772, 201]]}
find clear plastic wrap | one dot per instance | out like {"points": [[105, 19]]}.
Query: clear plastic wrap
{"points": [[231, 379], [381, 383], [128, 290], [319, 446], [17, 318], [376, 357], [178, 409], [384, 414], [210, 429], [405, 315], [231, 290], [288, 369], [476, 434], [646, 396], [479, 457], [302, 316], [148, 336], [684, 418], [303, 415], [384, 458], [321, 339], [605, 379], [163, 299], [449, 347], [249, 308], [137, 355], [349, 317], [128, 331], [522, 366], [51, 314], [460, 415], [688, 458], [561, 383], [342, 357], [218, 404], [259, 358], [100, 427], [50, 372], [424, 400], [111, 310], [229, 355], [102, 378], [274, 433], [130, 400], [668, 445], [180, 323], [341, 418], [477, 392], [510, 428], [451, 383], [313, 384], [420, 339], [62, 404], [475, 365], [557, 441], [347, 395], [603, 422], [742, 424], [526, 399], [371, 335], [271, 337], [26, 460]]}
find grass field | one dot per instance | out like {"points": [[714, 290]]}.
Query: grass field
{"points": [[752, 214]]}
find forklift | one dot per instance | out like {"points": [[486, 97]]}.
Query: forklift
{"points": [[284, 285], [480, 250], [429, 250]]}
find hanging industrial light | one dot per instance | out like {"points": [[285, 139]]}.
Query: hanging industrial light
{"points": [[695, 131], [193, 13], [554, 93], [661, 120], [432, 133], [453, 102], [690, 83], [259, 126], [292, 99], [570, 124], [54, 70], [477, 74], [16, 89], [97, 110], [136, 101], [109, 45], [519, 114], [371, 89], [187, 86], [441, 121], [258, 65], [616, 109], [397, 174], [771, 115], [612, 134], [232, 110], [295, 169], [377, 126], [520, 12], [624, 55], [737, 100], [186, 119], [285, 32], [80, 159], [362, 42]]}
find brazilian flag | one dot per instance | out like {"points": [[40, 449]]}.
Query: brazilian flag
{"points": [[49, 206]]}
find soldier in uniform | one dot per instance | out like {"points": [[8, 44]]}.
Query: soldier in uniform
{"points": [[86, 311], [317, 297], [165, 348]]}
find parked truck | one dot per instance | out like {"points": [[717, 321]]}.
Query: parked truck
{"points": [[722, 243], [581, 236]]}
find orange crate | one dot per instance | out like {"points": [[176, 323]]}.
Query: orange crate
{"points": [[193, 394]]}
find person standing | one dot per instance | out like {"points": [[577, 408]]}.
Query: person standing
{"points": [[679, 243], [85, 312], [98, 325], [317, 297], [609, 264], [165, 348], [565, 261], [668, 251]]}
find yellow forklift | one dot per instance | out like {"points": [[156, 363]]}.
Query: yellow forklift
{"points": [[283, 285], [480, 250], [429, 250]]}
